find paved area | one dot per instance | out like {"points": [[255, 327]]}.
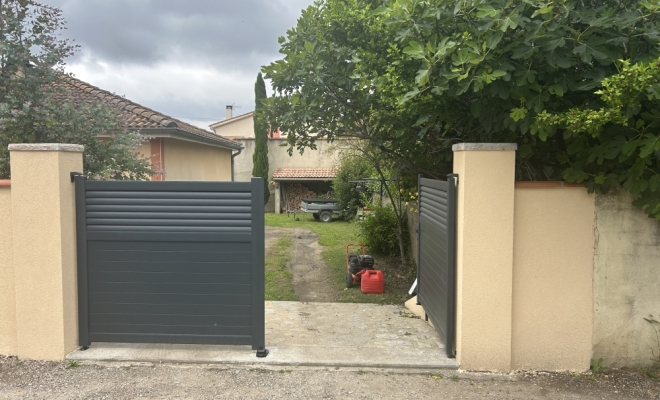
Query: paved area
{"points": [[309, 334]]}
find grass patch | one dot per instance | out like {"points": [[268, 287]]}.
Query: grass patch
{"points": [[334, 236], [279, 280], [71, 364]]}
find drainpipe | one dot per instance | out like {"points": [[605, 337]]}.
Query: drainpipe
{"points": [[232, 163]]}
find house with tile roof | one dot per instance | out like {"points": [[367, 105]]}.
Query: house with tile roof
{"points": [[284, 169], [178, 150]]}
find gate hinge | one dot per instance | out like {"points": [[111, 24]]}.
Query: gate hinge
{"points": [[74, 174]]}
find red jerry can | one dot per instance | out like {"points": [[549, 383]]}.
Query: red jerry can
{"points": [[372, 282]]}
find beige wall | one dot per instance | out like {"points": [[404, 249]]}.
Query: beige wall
{"points": [[326, 156], [552, 279], [241, 128], [8, 344], [484, 261], [44, 249], [188, 161], [626, 282]]}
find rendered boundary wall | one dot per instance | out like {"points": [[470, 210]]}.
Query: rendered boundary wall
{"points": [[626, 282], [552, 277]]}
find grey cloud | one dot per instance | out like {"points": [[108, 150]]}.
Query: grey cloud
{"points": [[157, 51], [225, 33]]}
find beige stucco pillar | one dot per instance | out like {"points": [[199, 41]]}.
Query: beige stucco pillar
{"points": [[44, 248], [7, 297], [484, 259]]}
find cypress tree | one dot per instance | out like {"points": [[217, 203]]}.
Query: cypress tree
{"points": [[260, 156]]}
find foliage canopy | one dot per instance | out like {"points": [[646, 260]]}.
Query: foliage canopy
{"points": [[261, 131], [32, 55], [415, 76]]}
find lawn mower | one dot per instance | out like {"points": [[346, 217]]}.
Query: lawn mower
{"points": [[357, 264]]}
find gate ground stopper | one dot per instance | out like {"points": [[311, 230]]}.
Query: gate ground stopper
{"points": [[262, 353]]}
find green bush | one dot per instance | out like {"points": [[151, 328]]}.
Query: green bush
{"points": [[378, 231], [352, 167]]}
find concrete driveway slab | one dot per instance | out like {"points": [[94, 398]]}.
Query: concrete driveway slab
{"points": [[309, 334]]}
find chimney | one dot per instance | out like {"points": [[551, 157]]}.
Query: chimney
{"points": [[229, 112]]}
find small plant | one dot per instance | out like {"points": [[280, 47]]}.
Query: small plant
{"points": [[597, 366], [360, 372], [455, 378], [71, 364]]}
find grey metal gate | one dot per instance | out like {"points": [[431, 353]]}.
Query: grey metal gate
{"points": [[171, 262], [436, 267]]}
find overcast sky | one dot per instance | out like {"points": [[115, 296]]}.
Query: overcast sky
{"points": [[185, 58]]}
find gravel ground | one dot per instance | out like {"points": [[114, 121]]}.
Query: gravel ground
{"points": [[35, 380]]}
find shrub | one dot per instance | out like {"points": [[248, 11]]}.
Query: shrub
{"points": [[352, 167], [378, 231]]}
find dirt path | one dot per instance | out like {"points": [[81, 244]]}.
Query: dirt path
{"points": [[312, 278]]}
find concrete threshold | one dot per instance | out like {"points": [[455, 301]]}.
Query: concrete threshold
{"points": [[335, 335], [242, 355]]}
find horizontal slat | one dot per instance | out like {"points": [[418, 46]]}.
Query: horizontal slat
{"points": [[167, 237], [134, 228], [172, 215], [436, 184], [435, 195], [172, 266], [178, 339], [166, 256], [172, 246], [172, 319], [169, 277], [160, 298], [168, 202], [170, 288], [244, 211], [170, 329], [173, 186], [167, 222], [168, 195], [185, 309]]}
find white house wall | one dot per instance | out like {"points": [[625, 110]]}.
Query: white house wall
{"points": [[326, 156]]}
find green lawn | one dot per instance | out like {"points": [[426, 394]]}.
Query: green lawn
{"points": [[334, 236], [279, 281]]}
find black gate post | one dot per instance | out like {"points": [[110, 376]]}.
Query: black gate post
{"points": [[452, 180], [81, 242], [258, 269], [419, 233]]}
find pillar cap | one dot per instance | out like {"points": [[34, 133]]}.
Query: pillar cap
{"points": [[485, 147], [72, 148]]}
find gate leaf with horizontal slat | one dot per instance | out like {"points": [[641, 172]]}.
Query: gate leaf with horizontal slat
{"points": [[171, 262], [437, 256]]}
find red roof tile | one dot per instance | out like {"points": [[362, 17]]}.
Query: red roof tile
{"points": [[134, 115], [302, 173]]}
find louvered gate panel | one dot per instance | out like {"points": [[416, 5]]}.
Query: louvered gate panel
{"points": [[171, 262], [436, 257]]}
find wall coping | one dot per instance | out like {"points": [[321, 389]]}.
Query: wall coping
{"points": [[73, 148], [547, 184], [485, 147], [5, 183]]}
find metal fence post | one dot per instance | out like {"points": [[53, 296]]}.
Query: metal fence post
{"points": [[258, 269], [81, 236]]}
